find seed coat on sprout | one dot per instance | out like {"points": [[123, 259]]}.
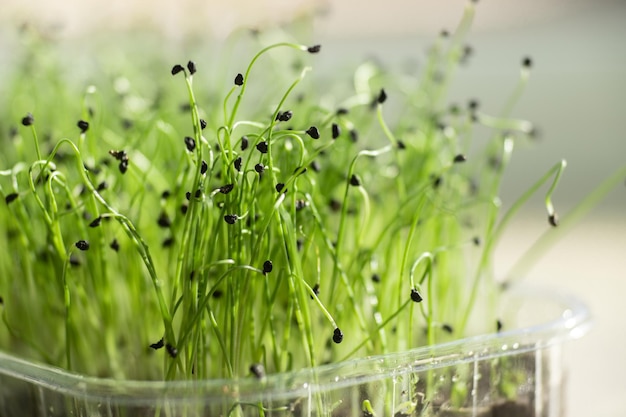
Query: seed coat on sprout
{"points": [[416, 296], [157, 345], [227, 188], [553, 219], [177, 68], [337, 335], [83, 126], [244, 143], [355, 181], [527, 62], [82, 245], [231, 218], [382, 96], [239, 79], [459, 158], [313, 132], [262, 147], [258, 370], [190, 143], [284, 116], [314, 49], [171, 350], [11, 198], [191, 66], [28, 119], [336, 130]]}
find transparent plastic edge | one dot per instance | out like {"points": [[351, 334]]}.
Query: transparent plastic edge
{"points": [[574, 322]]}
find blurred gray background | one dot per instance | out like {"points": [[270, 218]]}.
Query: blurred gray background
{"points": [[576, 95]]}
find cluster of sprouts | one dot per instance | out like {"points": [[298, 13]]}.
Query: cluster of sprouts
{"points": [[278, 226]]}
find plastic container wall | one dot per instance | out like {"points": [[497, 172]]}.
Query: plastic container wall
{"points": [[515, 373]]}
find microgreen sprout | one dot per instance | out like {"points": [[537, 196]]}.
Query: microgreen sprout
{"points": [[248, 225]]}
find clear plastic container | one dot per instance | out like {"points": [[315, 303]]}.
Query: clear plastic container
{"points": [[514, 373]]}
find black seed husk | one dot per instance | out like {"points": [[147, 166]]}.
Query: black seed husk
{"points": [[415, 296], [382, 96], [334, 204], [225, 189], [527, 62], [191, 66], [267, 267], [190, 143], [114, 245], [177, 68], [355, 180], [459, 158], [313, 132], [244, 143], [300, 204], [337, 335], [237, 164], [171, 350], [336, 131], [231, 218], [284, 116], [82, 245], [258, 370], [123, 166], [314, 49], [553, 219], [96, 222], [262, 147], [11, 198], [164, 220], [28, 119], [239, 79], [316, 290], [83, 126], [119, 155], [203, 124], [157, 345]]}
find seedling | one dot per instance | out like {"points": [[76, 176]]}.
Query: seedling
{"points": [[204, 230]]}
